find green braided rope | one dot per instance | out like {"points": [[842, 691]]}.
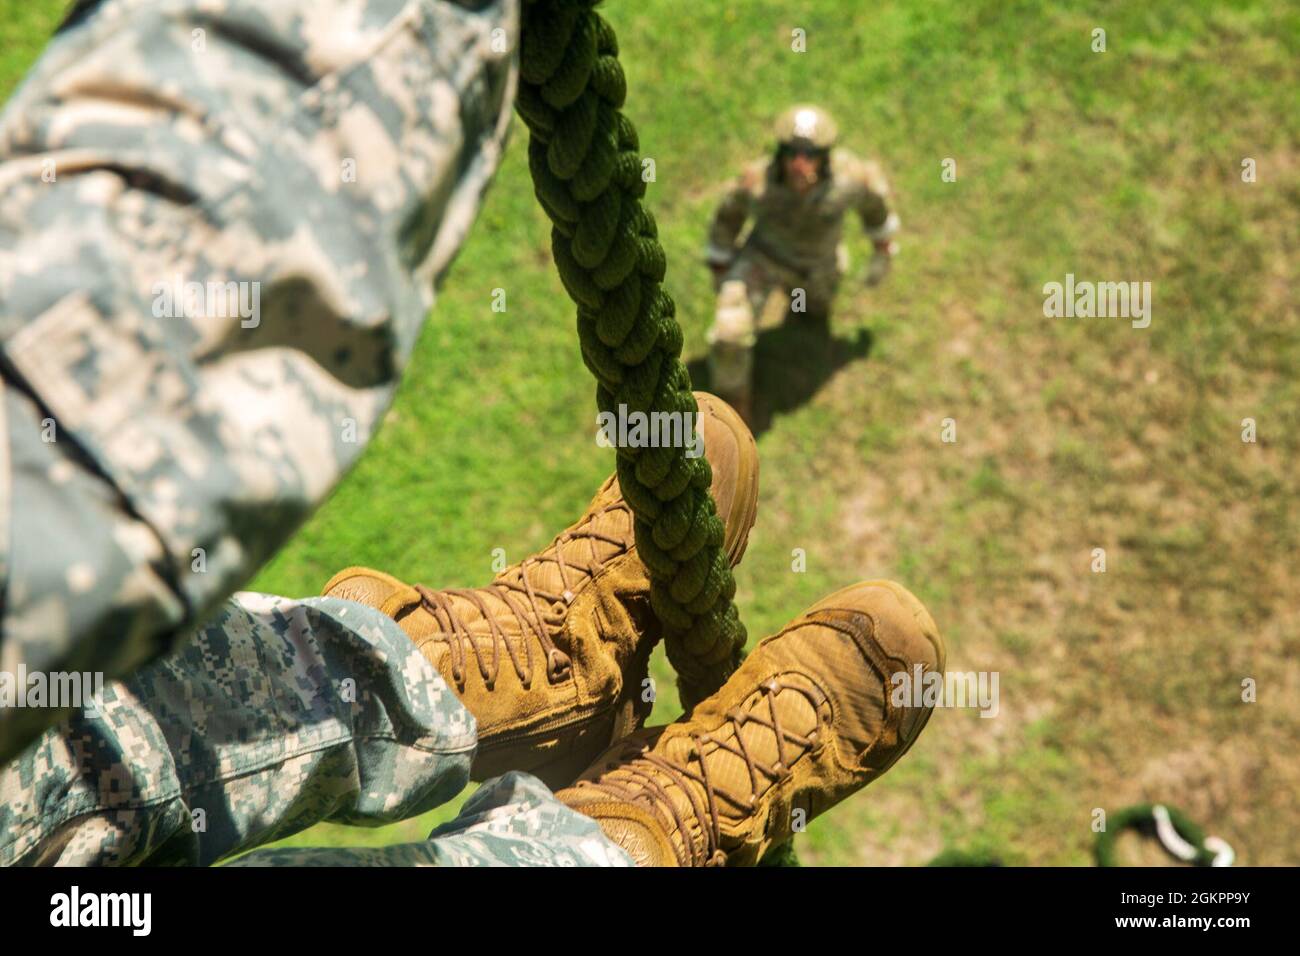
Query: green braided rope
{"points": [[1141, 817], [586, 170]]}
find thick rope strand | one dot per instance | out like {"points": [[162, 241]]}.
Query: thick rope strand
{"points": [[583, 154]]}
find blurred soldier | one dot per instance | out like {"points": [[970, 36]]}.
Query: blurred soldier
{"points": [[796, 200], [221, 223]]}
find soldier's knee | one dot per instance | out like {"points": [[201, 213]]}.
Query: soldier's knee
{"points": [[733, 323]]}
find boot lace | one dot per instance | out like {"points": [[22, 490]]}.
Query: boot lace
{"points": [[536, 609], [707, 798]]}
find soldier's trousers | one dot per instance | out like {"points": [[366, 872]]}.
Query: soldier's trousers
{"points": [[275, 715], [743, 294]]}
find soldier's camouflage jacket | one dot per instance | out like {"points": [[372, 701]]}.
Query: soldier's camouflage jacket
{"points": [[221, 224], [801, 231]]}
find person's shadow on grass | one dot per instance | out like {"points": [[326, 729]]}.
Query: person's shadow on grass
{"points": [[791, 362]]}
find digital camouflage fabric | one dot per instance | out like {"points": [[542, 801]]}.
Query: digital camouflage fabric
{"points": [[312, 165], [276, 715], [317, 163]]}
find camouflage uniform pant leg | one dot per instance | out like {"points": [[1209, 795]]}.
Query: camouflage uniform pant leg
{"points": [[742, 295], [820, 287], [512, 820], [275, 715]]}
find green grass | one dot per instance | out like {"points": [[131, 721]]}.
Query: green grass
{"points": [[1072, 434]]}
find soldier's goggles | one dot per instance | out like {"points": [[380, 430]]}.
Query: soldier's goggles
{"points": [[803, 149]]}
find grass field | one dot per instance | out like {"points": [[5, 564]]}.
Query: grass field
{"points": [[1072, 434]]}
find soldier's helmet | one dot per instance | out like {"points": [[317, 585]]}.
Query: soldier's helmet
{"points": [[807, 127]]}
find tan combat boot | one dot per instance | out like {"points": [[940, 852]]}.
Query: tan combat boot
{"points": [[807, 720], [551, 657]]}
